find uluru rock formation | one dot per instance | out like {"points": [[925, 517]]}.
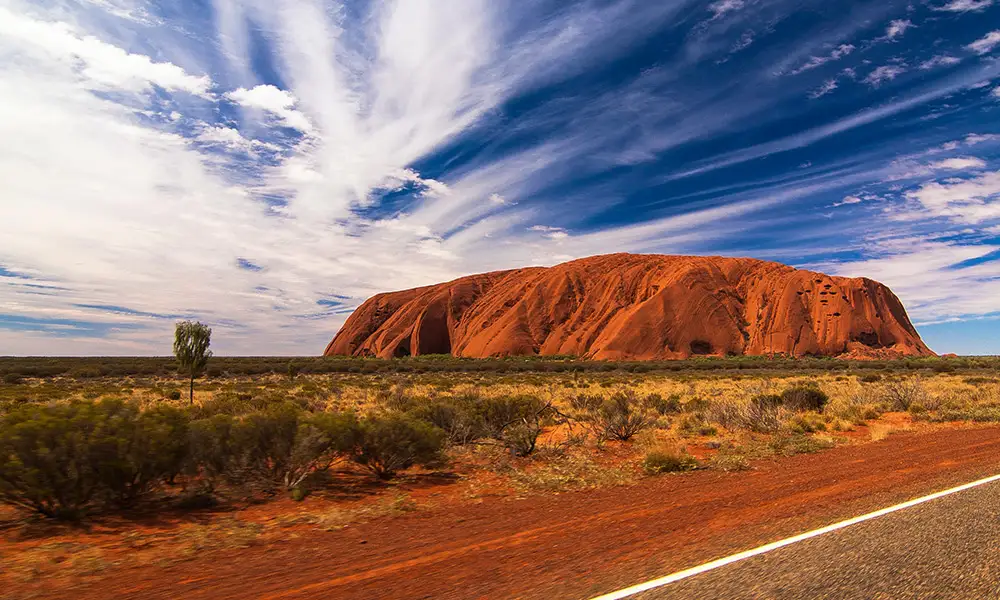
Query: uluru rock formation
{"points": [[636, 306]]}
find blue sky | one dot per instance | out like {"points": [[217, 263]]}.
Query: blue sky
{"points": [[266, 165]]}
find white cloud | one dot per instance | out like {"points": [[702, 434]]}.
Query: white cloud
{"points": [[964, 5], [126, 9], [278, 102], [827, 87], [884, 73], [135, 188], [100, 65], [157, 196], [971, 200], [720, 8], [743, 43], [939, 61], [977, 138], [985, 44], [996, 92], [818, 61], [552, 233], [897, 28], [959, 163], [924, 275], [848, 200], [232, 140]]}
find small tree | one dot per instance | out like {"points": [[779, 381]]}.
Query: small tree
{"points": [[191, 340]]}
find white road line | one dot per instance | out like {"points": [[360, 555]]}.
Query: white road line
{"points": [[715, 564]]}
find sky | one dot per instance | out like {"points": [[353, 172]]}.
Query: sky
{"points": [[264, 166]]}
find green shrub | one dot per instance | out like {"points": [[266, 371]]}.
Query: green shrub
{"points": [[12, 379], [61, 459], [664, 460], [807, 422], [210, 450], [394, 442], [804, 398], [140, 450], [664, 406], [796, 443], [458, 417], [586, 402], [731, 458], [174, 395], [522, 438], [495, 415], [281, 447], [619, 417], [694, 424], [696, 405], [45, 458], [234, 403], [899, 394], [759, 413]]}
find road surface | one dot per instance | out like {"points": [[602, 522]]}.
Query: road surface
{"points": [[948, 547]]}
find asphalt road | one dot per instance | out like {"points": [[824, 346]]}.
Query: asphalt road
{"points": [[945, 548]]}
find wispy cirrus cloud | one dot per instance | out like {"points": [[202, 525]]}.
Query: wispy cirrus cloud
{"points": [[885, 73], [818, 61], [985, 44], [243, 162], [964, 5]]}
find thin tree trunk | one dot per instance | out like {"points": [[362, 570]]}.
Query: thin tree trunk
{"points": [[191, 391]]}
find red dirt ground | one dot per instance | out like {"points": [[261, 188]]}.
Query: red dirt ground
{"points": [[571, 545]]}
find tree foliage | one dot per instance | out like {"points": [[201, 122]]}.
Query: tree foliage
{"points": [[191, 342]]}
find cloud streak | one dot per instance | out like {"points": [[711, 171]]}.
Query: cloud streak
{"points": [[246, 165]]}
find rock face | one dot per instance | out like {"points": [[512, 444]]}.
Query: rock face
{"points": [[639, 307]]}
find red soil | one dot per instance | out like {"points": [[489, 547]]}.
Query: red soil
{"points": [[576, 544], [631, 306]]}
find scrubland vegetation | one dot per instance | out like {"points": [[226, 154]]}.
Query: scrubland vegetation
{"points": [[341, 441], [73, 445]]}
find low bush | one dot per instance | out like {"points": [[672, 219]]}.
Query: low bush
{"points": [[759, 413], [796, 443], [45, 453], [495, 415], [395, 442], [899, 394], [664, 406], [513, 421], [731, 458], [668, 460], [521, 439], [210, 452], [620, 417], [457, 417], [694, 424], [804, 398], [62, 459], [137, 450], [65, 460], [280, 447], [808, 422]]}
